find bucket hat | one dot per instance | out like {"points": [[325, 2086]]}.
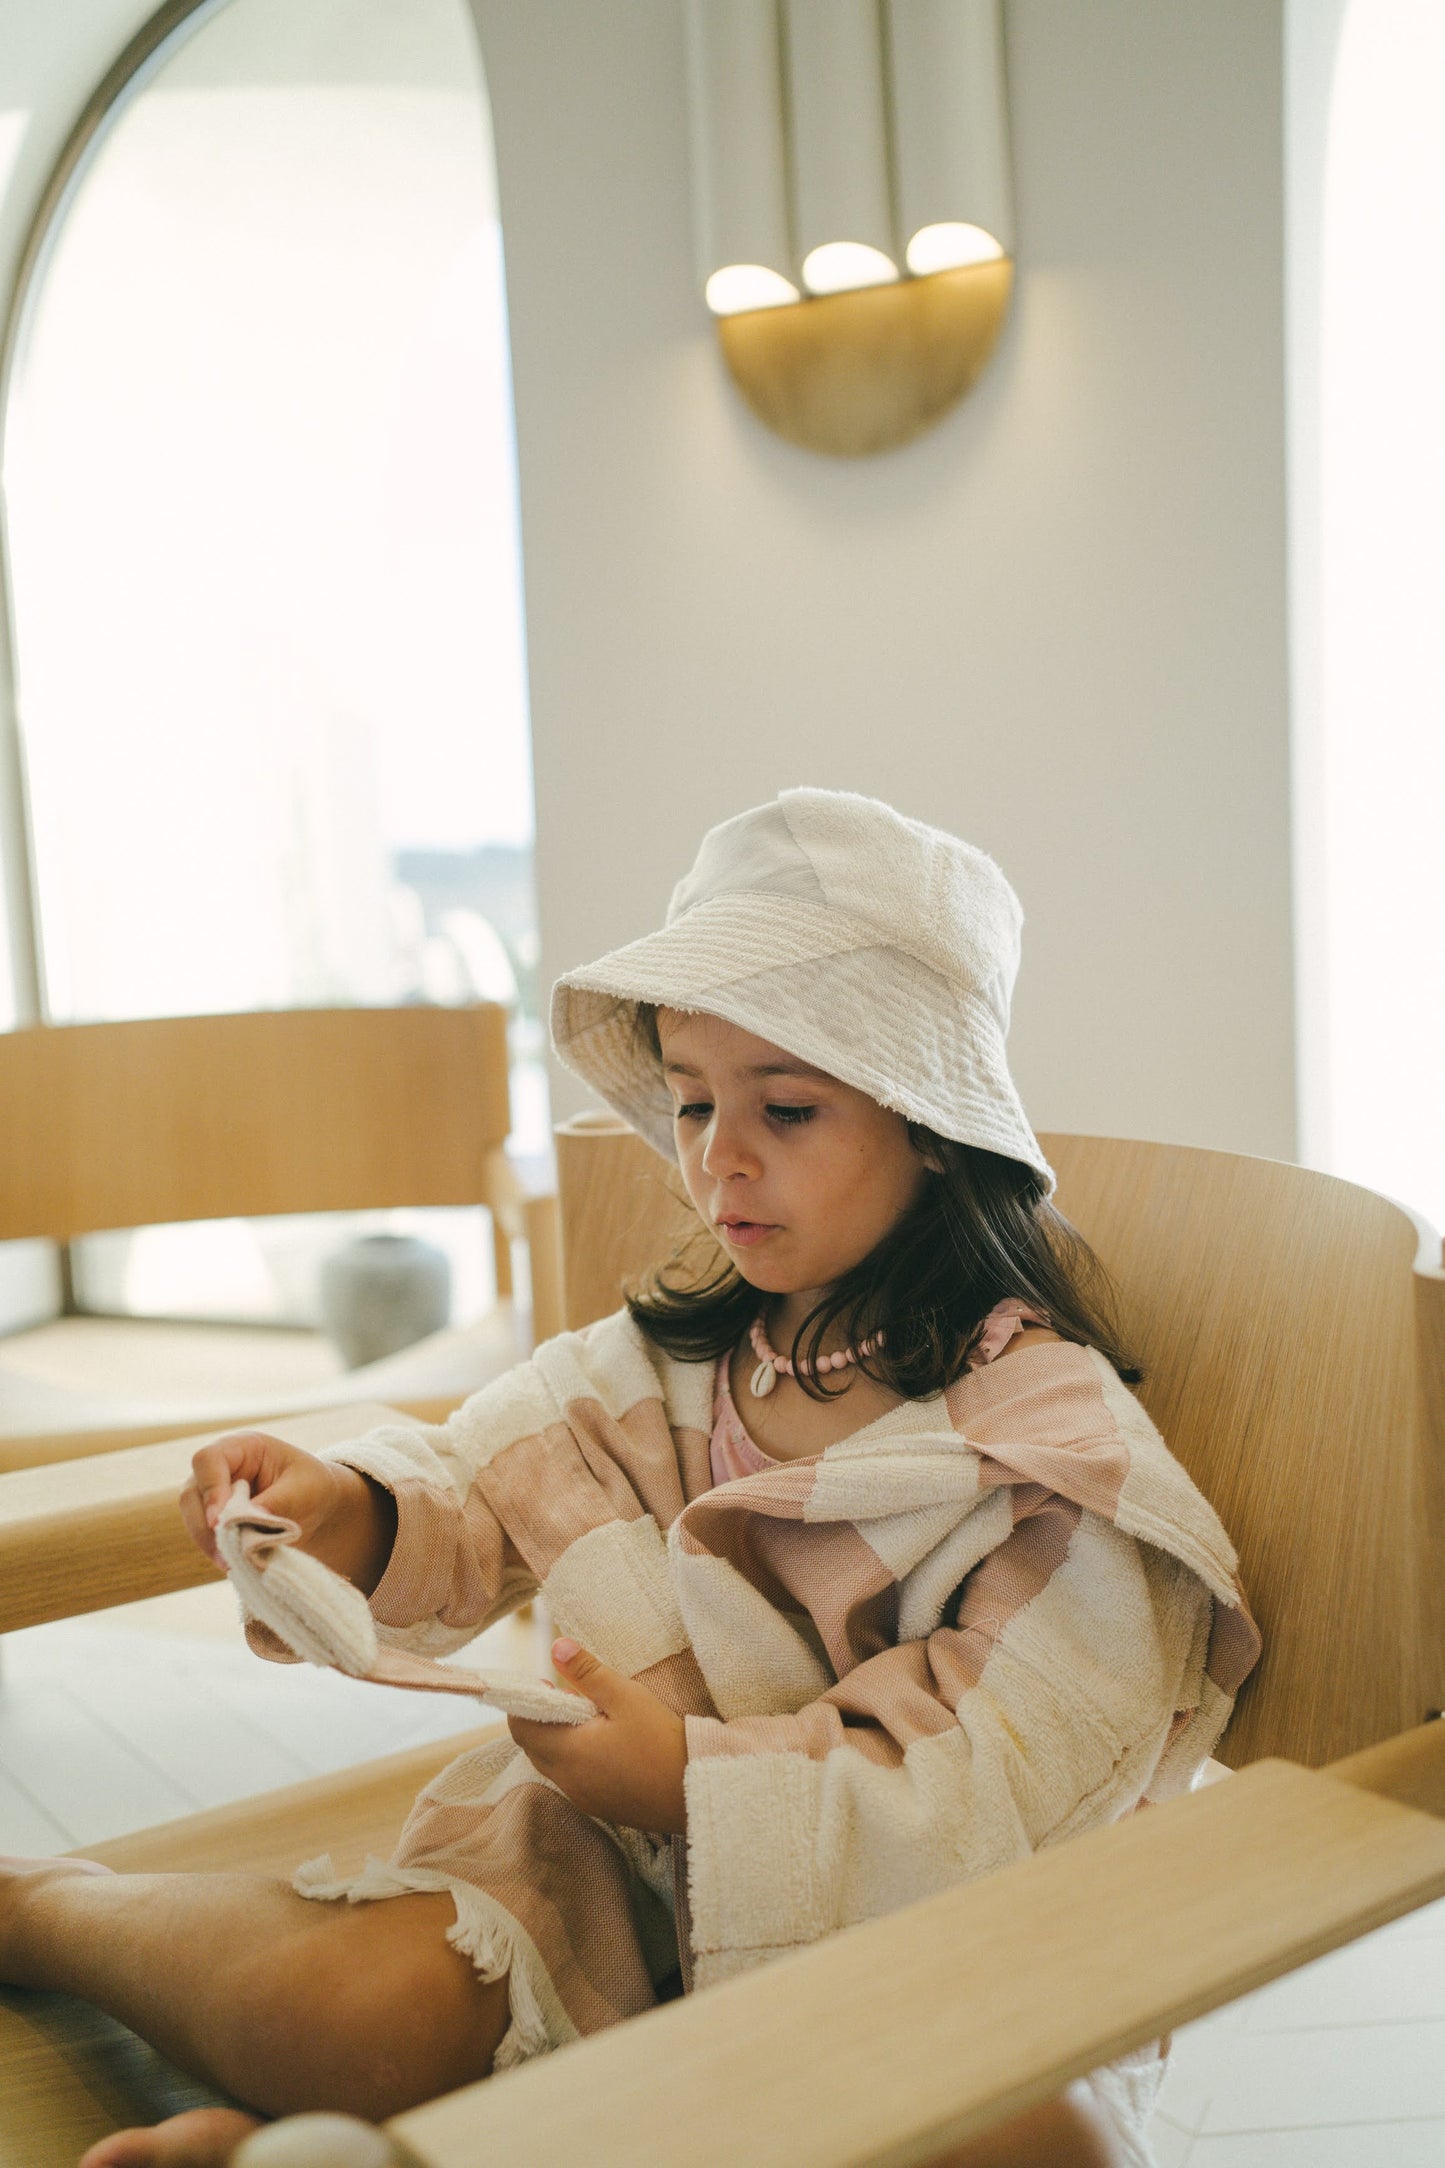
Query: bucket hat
{"points": [[879, 949]]}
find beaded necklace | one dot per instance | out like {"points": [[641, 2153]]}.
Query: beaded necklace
{"points": [[765, 1378]]}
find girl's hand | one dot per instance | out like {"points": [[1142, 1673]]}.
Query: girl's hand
{"points": [[345, 1521], [627, 1764]]}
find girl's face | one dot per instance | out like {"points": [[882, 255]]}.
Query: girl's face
{"points": [[798, 1175]]}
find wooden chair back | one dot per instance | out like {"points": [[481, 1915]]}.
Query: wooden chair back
{"points": [[1291, 1328], [212, 1117]]}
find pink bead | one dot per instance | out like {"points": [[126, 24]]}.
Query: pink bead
{"points": [[784, 1367]]}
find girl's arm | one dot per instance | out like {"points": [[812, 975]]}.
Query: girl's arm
{"points": [[562, 1472]]}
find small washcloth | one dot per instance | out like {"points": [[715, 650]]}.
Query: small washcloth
{"points": [[325, 1621]]}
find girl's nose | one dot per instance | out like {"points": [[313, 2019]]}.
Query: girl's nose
{"points": [[726, 1156]]}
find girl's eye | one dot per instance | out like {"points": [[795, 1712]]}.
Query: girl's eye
{"points": [[700, 1110]]}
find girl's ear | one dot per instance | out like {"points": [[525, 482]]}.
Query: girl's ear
{"points": [[928, 1147]]}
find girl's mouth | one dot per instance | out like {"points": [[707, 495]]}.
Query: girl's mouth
{"points": [[745, 1232]]}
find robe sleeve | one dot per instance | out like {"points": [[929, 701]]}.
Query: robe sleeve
{"points": [[1040, 1707], [453, 1568], [566, 1453]]}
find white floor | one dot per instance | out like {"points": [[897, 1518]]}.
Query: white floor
{"points": [[135, 1716], [1341, 2065], [128, 1717]]}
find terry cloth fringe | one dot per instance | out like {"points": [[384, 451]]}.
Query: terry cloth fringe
{"points": [[1127, 2091]]}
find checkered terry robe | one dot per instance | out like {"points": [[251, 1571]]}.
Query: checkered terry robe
{"points": [[982, 1624]]}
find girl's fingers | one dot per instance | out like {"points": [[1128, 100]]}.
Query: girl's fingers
{"points": [[211, 1478], [583, 1673], [198, 1528], [244, 1456], [215, 1469]]}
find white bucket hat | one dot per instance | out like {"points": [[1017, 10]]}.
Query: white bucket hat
{"points": [[881, 950]]}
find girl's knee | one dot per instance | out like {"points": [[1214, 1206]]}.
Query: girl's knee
{"points": [[367, 2009]]}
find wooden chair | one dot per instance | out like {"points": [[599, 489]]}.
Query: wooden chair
{"points": [[293, 1111], [1293, 1331]]}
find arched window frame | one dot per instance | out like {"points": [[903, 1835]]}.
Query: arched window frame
{"points": [[135, 66], [145, 57]]}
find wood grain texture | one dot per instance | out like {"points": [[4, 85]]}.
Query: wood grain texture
{"points": [[1430, 1454], [543, 1222], [68, 2074], [296, 1111], [856, 373], [1409, 1769], [41, 1449], [876, 2047], [206, 1117], [1293, 1343], [81, 1535], [623, 1209], [1275, 1313]]}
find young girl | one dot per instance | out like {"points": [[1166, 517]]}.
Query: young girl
{"points": [[878, 1575]]}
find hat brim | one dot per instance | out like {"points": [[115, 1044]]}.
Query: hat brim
{"points": [[872, 1016]]}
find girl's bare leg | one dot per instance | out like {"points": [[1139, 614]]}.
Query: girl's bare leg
{"points": [[283, 2003], [287, 2004]]}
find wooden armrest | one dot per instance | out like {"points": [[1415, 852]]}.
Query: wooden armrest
{"points": [[524, 1212], [543, 1220], [42, 1448], [889, 2042], [84, 1534], [511, 1188]]}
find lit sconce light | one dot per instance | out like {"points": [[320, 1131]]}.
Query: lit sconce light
{"points": [[738, 287], [838, 145], [843, 267], [950, 132], [853, 208], [949, 245], [740, 188]]}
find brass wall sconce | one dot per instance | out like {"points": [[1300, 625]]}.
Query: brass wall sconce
{"points": [[854, 214]]}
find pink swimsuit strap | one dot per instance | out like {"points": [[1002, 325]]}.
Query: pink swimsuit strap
{"points": [[999, 1327]]}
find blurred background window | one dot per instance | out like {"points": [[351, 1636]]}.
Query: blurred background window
{"points": [[261, 502]]}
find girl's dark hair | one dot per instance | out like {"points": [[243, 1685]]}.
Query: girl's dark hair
{"points": [[981, 1230]]}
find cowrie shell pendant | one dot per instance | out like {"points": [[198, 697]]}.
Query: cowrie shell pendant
{"points": [[764, 1379]]}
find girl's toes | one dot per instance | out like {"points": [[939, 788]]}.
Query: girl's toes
{"points": [[201, 2138]]}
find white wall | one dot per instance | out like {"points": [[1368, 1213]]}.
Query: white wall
{"points": [[1313, 30], [1056, 624]]}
